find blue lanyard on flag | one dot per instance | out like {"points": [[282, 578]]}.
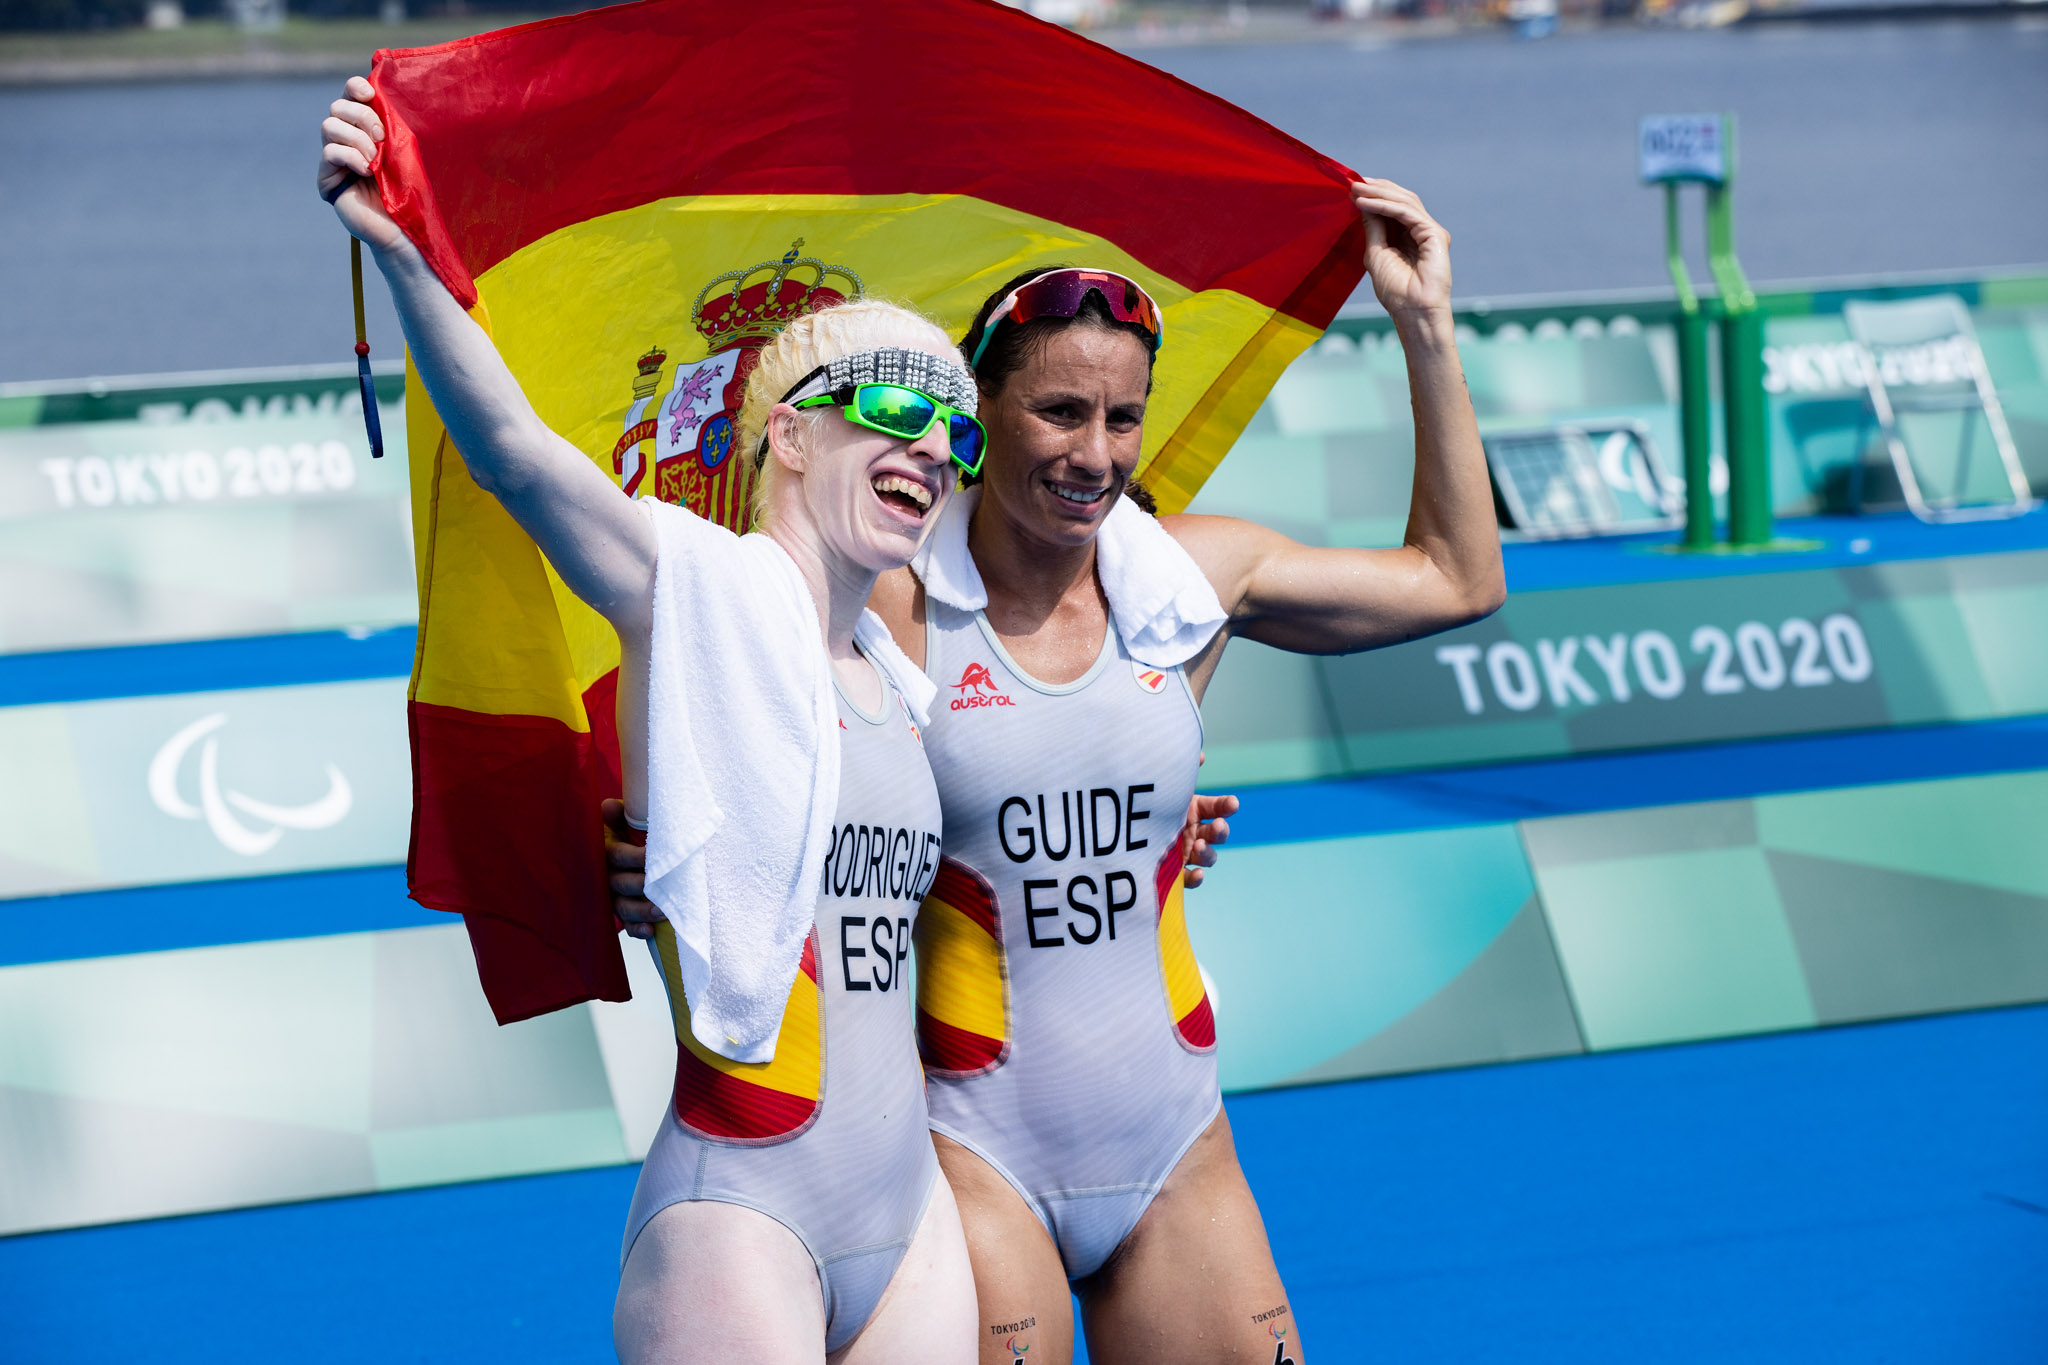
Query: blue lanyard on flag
{"points": [[370, 419]]}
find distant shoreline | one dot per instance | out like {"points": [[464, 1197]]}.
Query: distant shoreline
{"points": [[215, 50], [231, 56]]}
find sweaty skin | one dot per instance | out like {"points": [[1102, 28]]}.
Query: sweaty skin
{"points": [[705, 1281], [1192, 1281], [1195, 1280]]}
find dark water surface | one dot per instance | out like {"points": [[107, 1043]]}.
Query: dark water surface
{"points": [[173, 226]]}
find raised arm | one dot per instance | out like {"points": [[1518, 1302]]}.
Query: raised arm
{"points": [[601, 545], [1447, 571]]}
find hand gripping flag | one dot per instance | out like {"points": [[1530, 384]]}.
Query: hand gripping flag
{"points": [[633, 200]]}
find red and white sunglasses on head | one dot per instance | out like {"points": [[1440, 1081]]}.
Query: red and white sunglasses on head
{"points": [[1060, 294]]}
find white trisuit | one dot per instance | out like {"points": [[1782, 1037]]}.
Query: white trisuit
{"points": [[1061, 1015], [829, 1138]]}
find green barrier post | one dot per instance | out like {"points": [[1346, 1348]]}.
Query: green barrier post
{"points": [[1749, 451], [1701, 147], [1742, 365], [1694, 430]]}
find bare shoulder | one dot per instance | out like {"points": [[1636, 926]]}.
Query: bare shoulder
{"points": [[1197, 528], [1206, 537], [1227, 549], [898, 599]]}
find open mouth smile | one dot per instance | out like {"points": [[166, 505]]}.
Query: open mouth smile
{"points": [[1077, 497], [905, 496]]}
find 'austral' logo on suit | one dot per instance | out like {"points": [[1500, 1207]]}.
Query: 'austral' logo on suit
{"points": [[977, 688]]}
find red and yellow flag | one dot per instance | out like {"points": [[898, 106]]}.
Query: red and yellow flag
{"points": [[632, 200]]}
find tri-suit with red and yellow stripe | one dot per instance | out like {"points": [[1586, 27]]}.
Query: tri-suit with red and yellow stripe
{"points": [[830, 1136], [1064, 1024]]}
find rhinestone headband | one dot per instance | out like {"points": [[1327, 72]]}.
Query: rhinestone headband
{"points": [[946, 380]]}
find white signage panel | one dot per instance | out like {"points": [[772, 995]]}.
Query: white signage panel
{"points": [[1682, 147], [201, 525], [202, 785]]}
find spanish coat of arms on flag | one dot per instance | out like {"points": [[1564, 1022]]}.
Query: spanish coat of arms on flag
{"points": [[633, 200]]}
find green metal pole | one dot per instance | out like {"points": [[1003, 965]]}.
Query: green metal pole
{"points": [[1695, 431], [1749, 450], [1746, 421]]}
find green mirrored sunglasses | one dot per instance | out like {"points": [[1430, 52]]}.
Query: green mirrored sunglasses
{"points": [[898, 410]]}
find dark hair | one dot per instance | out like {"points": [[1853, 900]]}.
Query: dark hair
{"points": [[1017, 343]]}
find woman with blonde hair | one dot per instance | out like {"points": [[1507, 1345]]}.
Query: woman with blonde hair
{"points": [[791, 1208], [1068, 1041]]}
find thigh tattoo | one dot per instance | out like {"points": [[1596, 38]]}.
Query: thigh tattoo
{"points": [[1275, 1328]]}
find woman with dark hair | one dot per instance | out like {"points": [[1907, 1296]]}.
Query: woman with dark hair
{"points": [[1068, 1045]]}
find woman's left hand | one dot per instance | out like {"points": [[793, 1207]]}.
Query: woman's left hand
{"points": [[350, 138], [625, 862], [1407, 252], [1206, 828]]}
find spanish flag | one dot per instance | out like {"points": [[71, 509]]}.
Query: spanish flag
{"points": [[633, 200]]}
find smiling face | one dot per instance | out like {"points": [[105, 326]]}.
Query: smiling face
{"points": [[1064, 432], [868, 496]]}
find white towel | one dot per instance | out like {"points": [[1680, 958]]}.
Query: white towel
{"points": [[1161, 601], [742, 769]]}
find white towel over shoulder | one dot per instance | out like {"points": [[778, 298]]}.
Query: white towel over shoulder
{"points": [[1164, 608], [742, 769]]}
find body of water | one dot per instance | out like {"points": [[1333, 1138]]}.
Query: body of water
{"points": [[174, 226]]}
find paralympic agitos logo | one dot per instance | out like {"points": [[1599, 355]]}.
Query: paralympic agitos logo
{"points": [[218, 803], [977, 688]]}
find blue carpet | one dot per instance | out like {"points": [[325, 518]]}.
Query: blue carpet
{"points": [[504, 1271], [1877, 1193], [1502, 792]]}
